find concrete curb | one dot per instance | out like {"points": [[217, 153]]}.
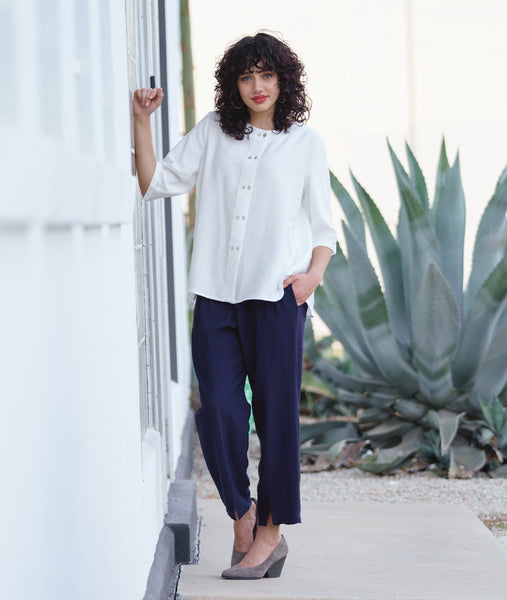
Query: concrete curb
{"points": [[164, 572], [176, 542], [181, 518]]}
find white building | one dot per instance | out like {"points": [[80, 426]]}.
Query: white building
{"points": [[93, 304]]}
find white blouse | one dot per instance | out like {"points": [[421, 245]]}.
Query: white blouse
{"points": [[262, 205]]}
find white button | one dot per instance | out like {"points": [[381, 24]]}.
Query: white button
{"points": [[237, 247], [243, 187], [249, 157], [248, 187], [237, 216], [259, 134], [255, 157], [242, 218], [264, 135]]}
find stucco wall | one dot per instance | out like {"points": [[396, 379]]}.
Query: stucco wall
{"points": [[83, 490]]}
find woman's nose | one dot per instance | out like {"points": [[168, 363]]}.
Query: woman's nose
{"points": [[257, 84]]}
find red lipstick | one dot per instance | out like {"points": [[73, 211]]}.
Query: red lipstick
{"points": [[259, 99]]}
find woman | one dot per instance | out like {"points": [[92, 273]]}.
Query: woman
{"points": [[263, 238]]}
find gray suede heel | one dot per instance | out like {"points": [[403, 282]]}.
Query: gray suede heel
{"points": [[239, 556], [271, 567]]}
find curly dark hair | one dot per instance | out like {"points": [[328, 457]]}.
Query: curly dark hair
{"points": [[293, 104]]}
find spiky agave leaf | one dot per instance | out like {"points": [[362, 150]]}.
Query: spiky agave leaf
{"points": [[435, 326], [447, 423], [487, 251], [408, 446], [389, 258], [342, 328], [334, 375], [442, 168], [479, 326], [465, 461], [411, 410], [417, 178], [336, 304], [495, 415], [431, 448], [314, 384], [349, 207], [343, 431], [312, 431], [491, 376], [384, 401], [403, 233], [375, 321], [373, 414], [449, 219], [495, 433], [419, 245], [393, 428]]}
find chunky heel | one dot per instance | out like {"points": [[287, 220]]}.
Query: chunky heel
{"points": [[275, 570]]}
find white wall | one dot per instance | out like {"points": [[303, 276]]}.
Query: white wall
{"points": [[78, 521], [82, 499], [403, 69]]}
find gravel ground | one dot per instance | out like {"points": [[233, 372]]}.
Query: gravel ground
{"points": [[485, 496]]}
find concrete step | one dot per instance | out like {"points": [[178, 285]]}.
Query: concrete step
{"points": [[364, 551]]}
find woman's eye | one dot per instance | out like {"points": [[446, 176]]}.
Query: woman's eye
{"points": [[246, 78], [268, 75]]}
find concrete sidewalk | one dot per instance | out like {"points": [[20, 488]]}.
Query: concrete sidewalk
{"points": [[367, 551]]}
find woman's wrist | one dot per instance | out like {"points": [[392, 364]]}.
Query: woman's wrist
{"points": [[316, 274], [314, 277], [320, 260], [142, 119]]}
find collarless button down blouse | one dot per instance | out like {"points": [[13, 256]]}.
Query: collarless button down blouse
{"points": [[262, 205]]}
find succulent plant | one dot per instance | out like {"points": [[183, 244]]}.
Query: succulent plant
{"points": [[429, 358]]}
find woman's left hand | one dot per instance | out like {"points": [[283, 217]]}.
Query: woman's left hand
{"points": [[303, 285]]}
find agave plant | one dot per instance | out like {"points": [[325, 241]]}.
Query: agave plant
{"points": [[429, 358]]}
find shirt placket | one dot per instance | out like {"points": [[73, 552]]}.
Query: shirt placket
{"points": [[240, 218]]}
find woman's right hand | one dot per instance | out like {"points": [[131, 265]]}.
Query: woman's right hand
{"points": [[146, 101]]}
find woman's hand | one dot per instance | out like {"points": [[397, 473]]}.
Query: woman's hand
{"points": [[146, 101], [303, 285]]}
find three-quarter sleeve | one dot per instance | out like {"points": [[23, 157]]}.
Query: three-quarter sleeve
{"points": [[177, 172], [317, 198]]}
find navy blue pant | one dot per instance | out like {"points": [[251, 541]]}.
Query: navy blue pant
{"points": [[263, 340]]}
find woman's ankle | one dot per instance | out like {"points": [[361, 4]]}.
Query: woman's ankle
{"points": [[243, 530], [269, 533]]}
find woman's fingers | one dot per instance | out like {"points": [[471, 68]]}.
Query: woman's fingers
{"points": [[147, 100], [157, 96], [146, 94], [303, 286], [288, 281]]}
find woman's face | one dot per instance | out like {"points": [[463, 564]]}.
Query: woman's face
{"points": [[259, 90]]}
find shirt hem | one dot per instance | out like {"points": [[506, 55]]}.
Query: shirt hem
{"points": [[230, 301], [309, 302]]}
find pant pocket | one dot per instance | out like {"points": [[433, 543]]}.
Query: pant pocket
{"points": [[290, 292]]}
